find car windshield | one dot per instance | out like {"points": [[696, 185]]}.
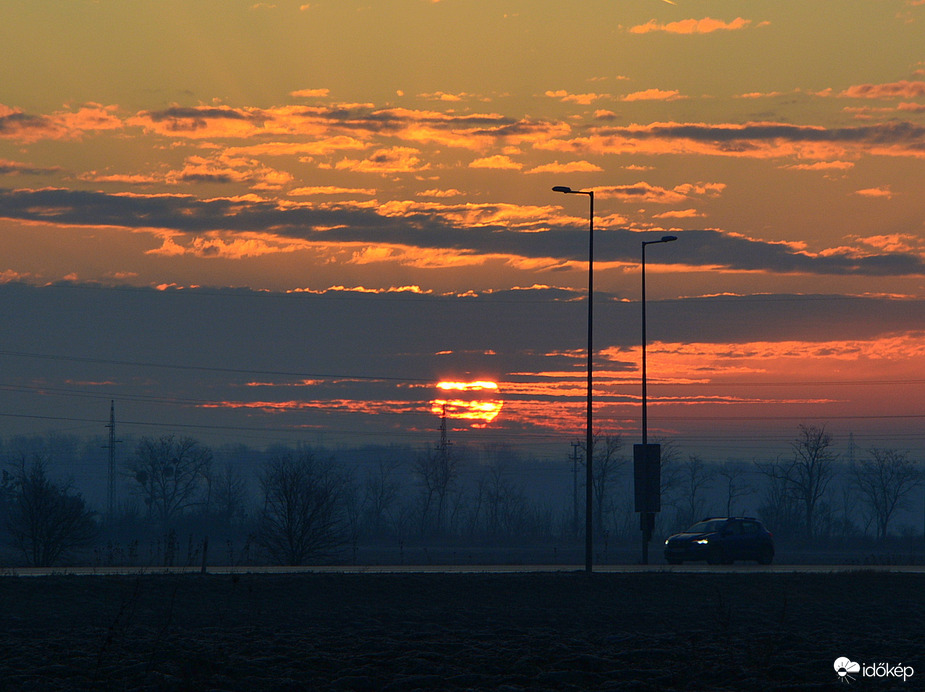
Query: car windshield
{"points": [[711, 526]]}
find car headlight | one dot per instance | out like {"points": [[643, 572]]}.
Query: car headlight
{"points": [[666, 541], [702, 541]]}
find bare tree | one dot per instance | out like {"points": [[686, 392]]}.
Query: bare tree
{"points": [[607, 466], [380, 493], [778, 508], [807, 475], [171, 475], [303, 514], [229, 494], [437, 472], [885, 481], [695, 477], [669, 482], [505, 503], [730, 475], [45, 520]]}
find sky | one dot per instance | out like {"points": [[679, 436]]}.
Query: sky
{"points": [[252, 222]]}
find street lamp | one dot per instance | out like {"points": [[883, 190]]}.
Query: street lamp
{"points": [[663, 239], [589, 435], [647, 458]]}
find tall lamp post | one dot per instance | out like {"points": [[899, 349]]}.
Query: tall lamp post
{"points": [[589, 435], [663, 239], [646, 457]]}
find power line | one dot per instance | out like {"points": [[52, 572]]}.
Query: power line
{"points": [[206, 368]]}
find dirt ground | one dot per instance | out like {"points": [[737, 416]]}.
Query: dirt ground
{"points": [[531, 631]]}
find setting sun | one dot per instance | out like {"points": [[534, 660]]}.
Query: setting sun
{"points": [[482, 407]]}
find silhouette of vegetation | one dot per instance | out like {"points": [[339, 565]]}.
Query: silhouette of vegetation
{"points": [[695, 477], [437, 472], [381, 492], [730, 476], [228, 494], [45, 520], [803, 480], [179, 504], [171, 476], [303, 515], [608, 463], [885, 481]]}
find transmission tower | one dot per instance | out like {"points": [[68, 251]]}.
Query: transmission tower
{"points": [[444, 446], [575, 446], [111, 494]]}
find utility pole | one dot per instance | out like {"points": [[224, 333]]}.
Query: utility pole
{"points": [[111, 496], [444, 446], [444, 473], [575, 445]]}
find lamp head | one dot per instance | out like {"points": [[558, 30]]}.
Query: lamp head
{"points": [[562, 188], [668, 238]]}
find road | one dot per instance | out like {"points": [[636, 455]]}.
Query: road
{"points": [[458, 569]]}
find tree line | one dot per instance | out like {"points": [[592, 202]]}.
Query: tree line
{"points": [[305, 505]]}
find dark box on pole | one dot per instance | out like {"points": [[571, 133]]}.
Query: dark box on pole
{"points": [[647, 474]]}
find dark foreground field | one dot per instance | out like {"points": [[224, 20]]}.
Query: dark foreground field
{"points": [[556, 631]]}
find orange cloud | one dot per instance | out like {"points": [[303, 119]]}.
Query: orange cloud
{"points": [[708, 189], [310, 93], [900, 89], [8, 276], [122, 178], [497, 161], [582, 99], [421, 258], [330, 190], [200, 123], [319, 147], [680, 214], [821, 166], [894, 242], [451, 192], [386, 161], [452, 98], [759, 95], [327, 405], [691, 26], [470, 215], [644, 192], [653, 95], [751, 140], [221, 245], [760, 363], [333, 127], [882, 192], [570, 167], [229, 169], [93, 117], [89, 118]]}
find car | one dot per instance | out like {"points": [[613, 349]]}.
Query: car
{"points": [[722, 540]]}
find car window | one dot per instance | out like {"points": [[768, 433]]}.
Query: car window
{"points": [[750, 527], [707, 526]]}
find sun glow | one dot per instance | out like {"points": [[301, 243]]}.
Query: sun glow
{"points": [[481, 406]]}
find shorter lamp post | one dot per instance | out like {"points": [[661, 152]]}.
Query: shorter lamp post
{"points": [[647, 458]]}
